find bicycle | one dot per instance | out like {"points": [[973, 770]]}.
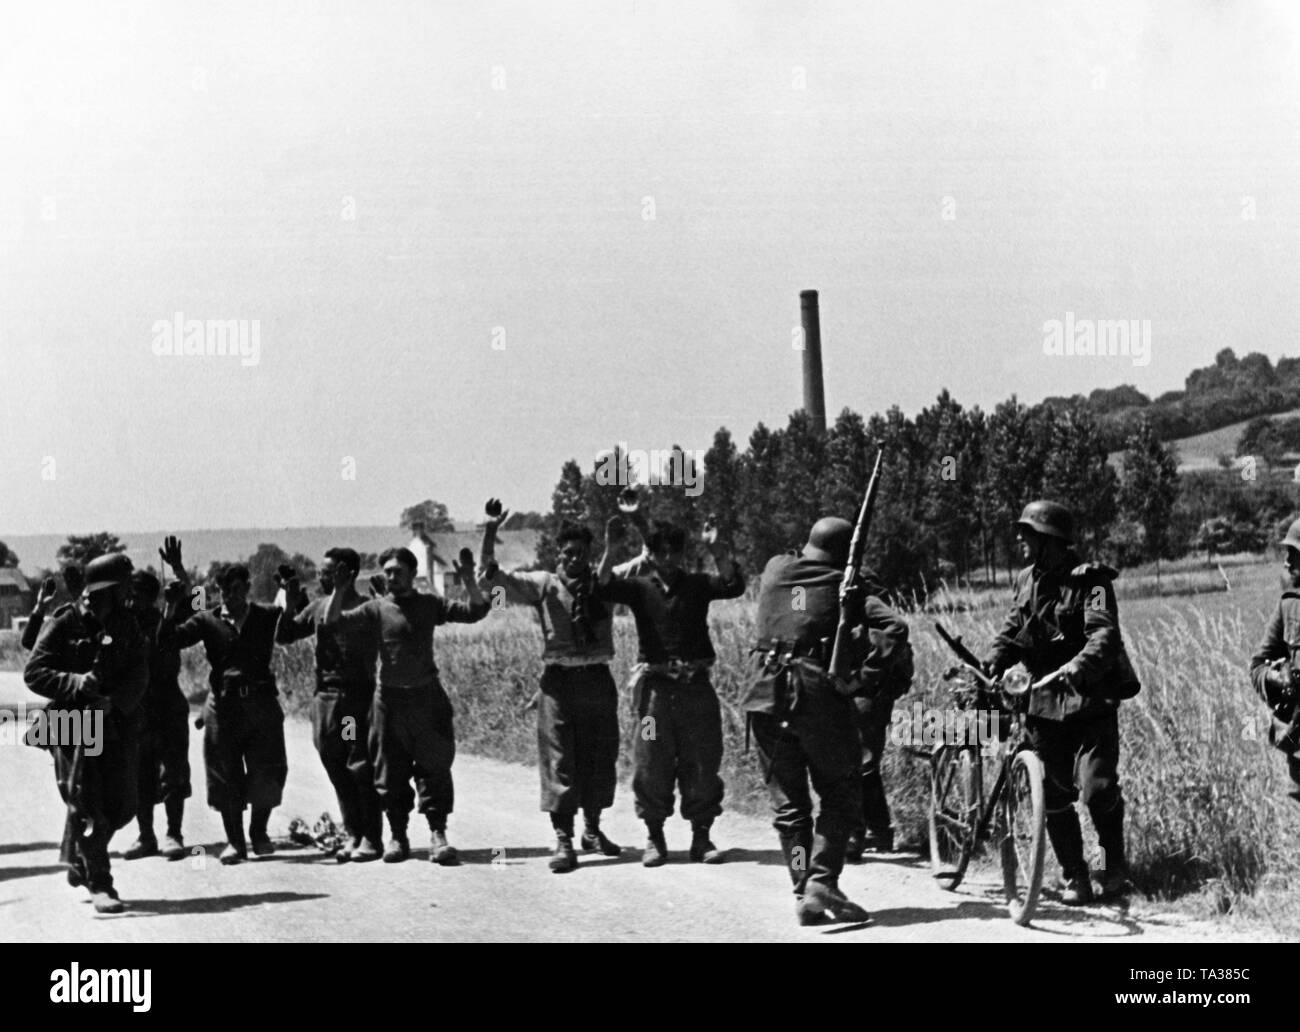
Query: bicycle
{"points": [[962, 812]]}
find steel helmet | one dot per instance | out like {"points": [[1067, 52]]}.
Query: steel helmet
{"points": [[829, 540], [1292, 538], [107, 571], [1050, 518]]}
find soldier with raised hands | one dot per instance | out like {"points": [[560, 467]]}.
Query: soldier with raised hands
{"points": [[341, 705], [164, 729], [243, 724], [1063, 627], [577, 701], [678, 738], [92, 663], [73, 582], [803, 717], [412, 734]]}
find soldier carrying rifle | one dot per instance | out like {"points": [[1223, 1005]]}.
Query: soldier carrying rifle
{"points": [[1273, 669]]}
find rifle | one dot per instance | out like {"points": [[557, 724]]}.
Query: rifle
{"points": [[853, 575], [964, 654]]}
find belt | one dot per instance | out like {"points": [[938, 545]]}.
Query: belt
{"points": [[576, 661], [244, 691], [685, 670], [780, 652]]}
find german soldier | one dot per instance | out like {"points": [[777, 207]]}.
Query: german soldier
{"points": [[164, 730], [243, 732], [1274, 672], [1064, 627], [679, 735], [92, 664], [804, 721], [577, 704], [340, 707], [412, 733]]}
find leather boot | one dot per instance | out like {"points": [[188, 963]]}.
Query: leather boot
{"points": [[1067, 843], [703, 851], [656, 848], [173, 844], [236, 850], [257, 834], [441, 852], [593, 839], [1109, 823], [399, 846], [797, 848]]}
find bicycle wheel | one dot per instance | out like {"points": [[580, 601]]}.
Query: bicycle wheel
{"points": [[956, 792], [1022, 834]]}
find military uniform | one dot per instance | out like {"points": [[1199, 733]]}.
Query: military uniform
{"points": [[1068, 618], [678, 740], [341, 713], [804, 727], [243, 733], [164, 733], [411, 734], [85, 668], [1270, 674]]}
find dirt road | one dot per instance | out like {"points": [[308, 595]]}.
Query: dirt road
{"points": [[502, 891]]}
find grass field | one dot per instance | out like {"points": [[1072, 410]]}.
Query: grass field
{"points": [[1209, 822]]}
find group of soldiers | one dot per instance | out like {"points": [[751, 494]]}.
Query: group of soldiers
{"points": [[113, 650]]}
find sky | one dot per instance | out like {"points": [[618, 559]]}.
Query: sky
{"points": [[475, 240]]}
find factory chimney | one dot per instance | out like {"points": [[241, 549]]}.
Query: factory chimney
{"points": [[814, 390]]}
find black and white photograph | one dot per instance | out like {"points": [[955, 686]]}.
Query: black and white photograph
{"points": [[648, 472]]}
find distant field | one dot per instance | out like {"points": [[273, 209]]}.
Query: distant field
{"points": [[1202, 451]]}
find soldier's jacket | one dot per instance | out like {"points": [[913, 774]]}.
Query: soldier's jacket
{"points": [[77, 659], [1067, 617], [798, 612], [1281, 642]]}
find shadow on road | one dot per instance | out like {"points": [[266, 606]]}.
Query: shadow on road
{"points": [[10, 873], [214, 904], [25, 847]]}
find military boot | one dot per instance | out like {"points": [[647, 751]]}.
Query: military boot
{"points": [[593, 839], [173, 843], [1109, 823], [824, 904], [106, 902], [399, 846], [565, 858], [656, 848], [441, 852], [703, 851], [1067, 843], [365, 850], [797, 847], [236, 850], [257, 833], [141, 847]]}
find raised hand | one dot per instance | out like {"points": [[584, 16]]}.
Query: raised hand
{"points": [[171, 554], [49, 587], [709, 535], [629, 500], [378, 585], [464, 570], [496, 514]]}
